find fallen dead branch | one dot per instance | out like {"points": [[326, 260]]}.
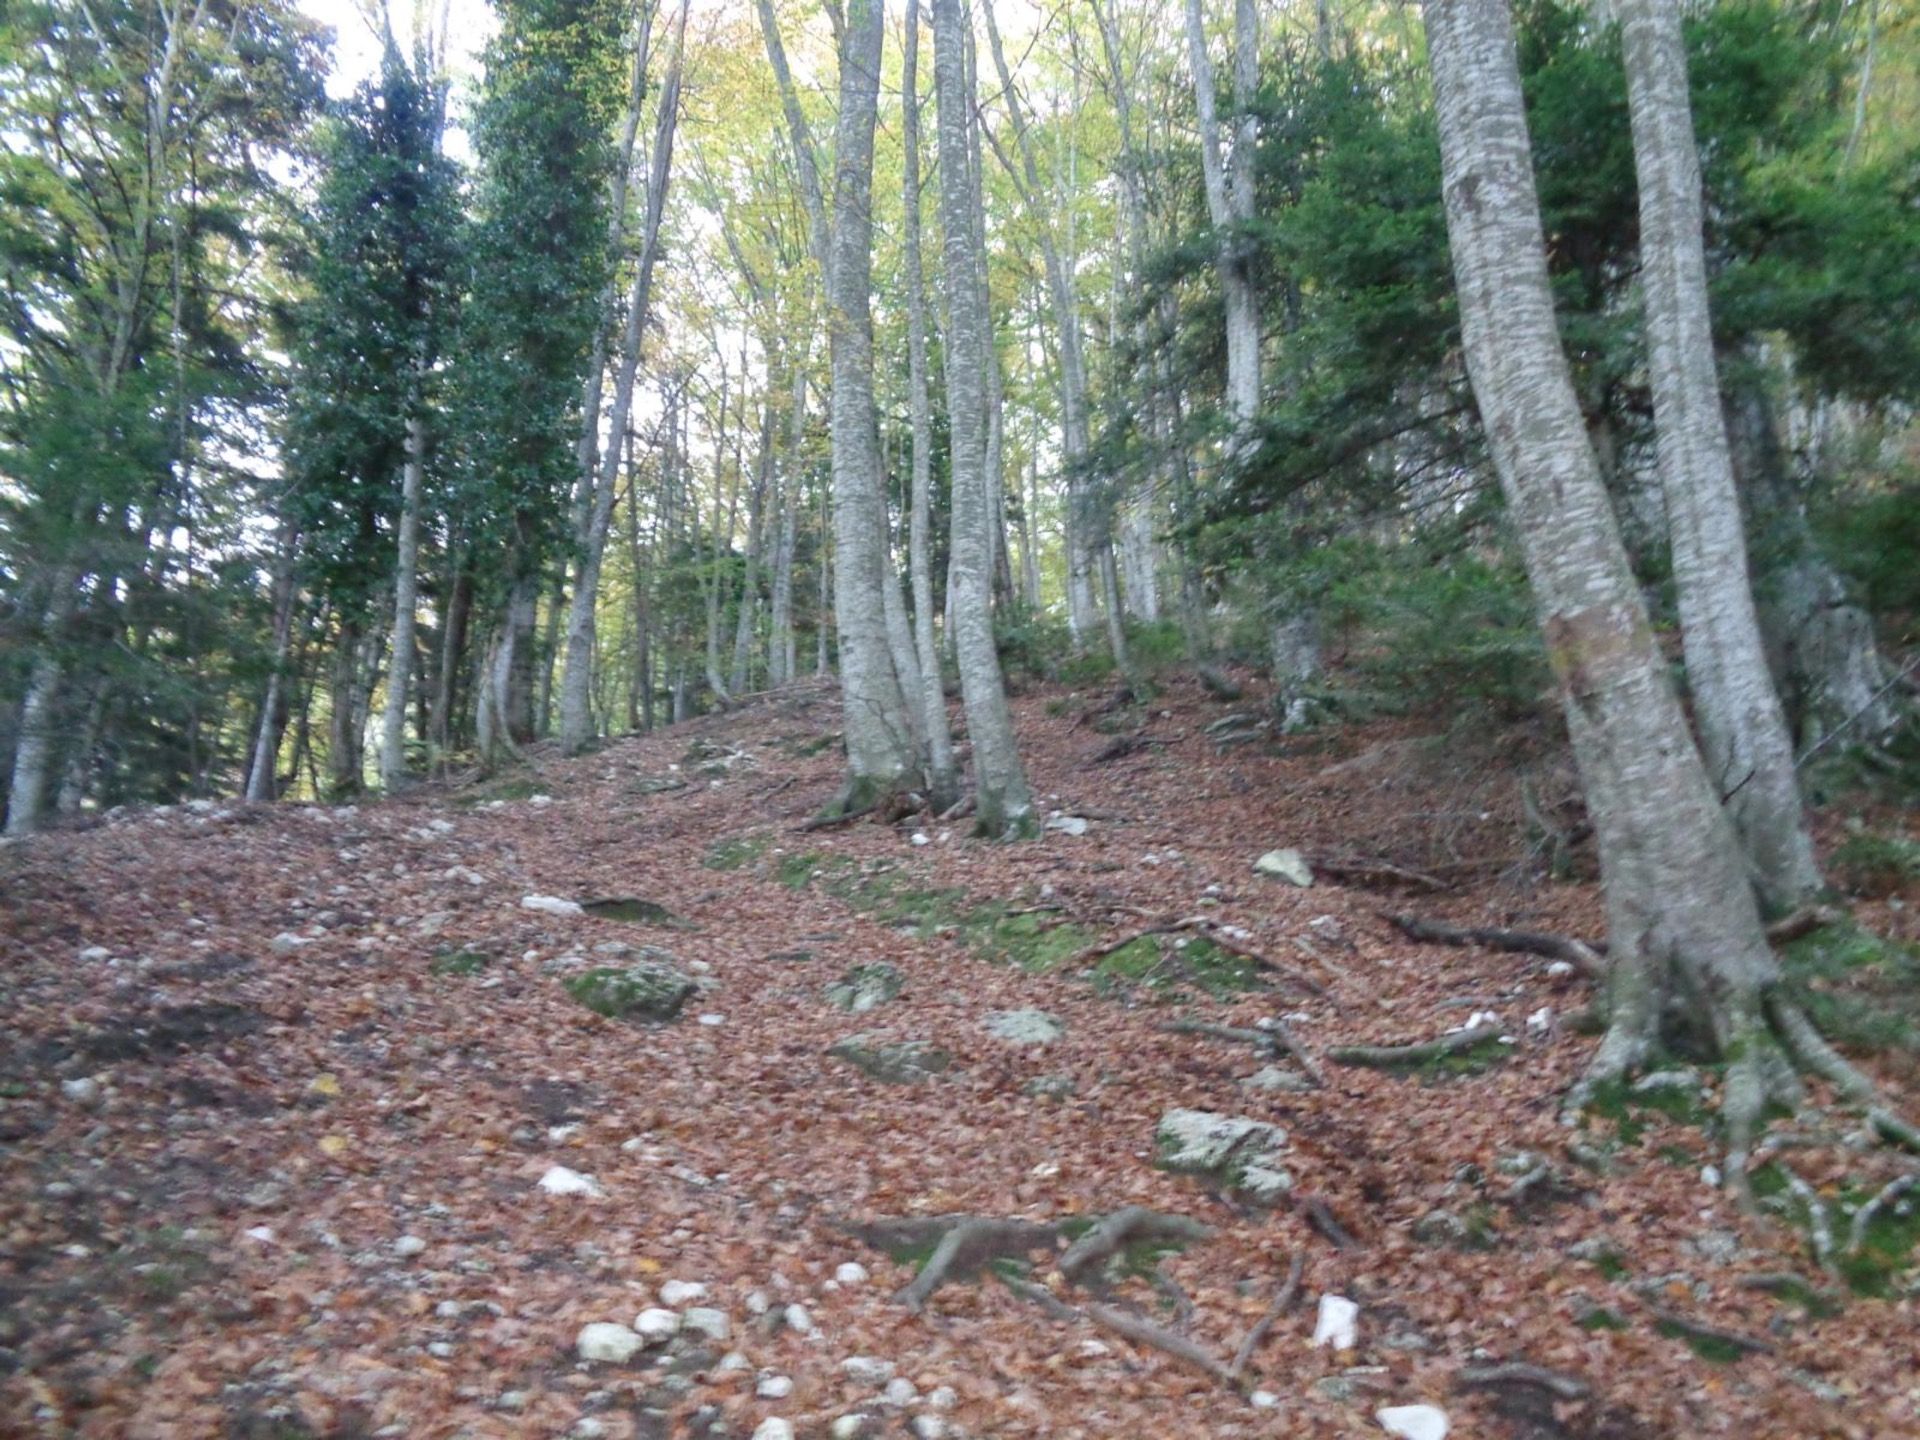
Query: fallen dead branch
{"points": [[1289, 1292], [1517, 1372], [1587, 959], [1391, 1057], [1364, 868], [1320, 1215], [1132, 1226], [1145, 1332], [1803, 922]]}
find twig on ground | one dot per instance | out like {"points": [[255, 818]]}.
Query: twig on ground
{"points": [[1518, 1372], [1803, 922], [1283, 1302], [1182, 1302], [1145, 1332], [1588, 959], [1394, 1056], [1288, 1042]]}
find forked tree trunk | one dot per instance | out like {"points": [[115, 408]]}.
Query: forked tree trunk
{"points": [[879, 735], [1743, 731], [1682, 918], [1229, 189], [1002, 805]]}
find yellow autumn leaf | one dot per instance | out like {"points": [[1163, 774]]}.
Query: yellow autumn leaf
{"points": [[333, 1144], [327, 1084], [646, 1265]]}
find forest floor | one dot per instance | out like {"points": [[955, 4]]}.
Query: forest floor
{"points": [[281, 1086]]}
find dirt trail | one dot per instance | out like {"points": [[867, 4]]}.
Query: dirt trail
{"points": [[281, 1086]]}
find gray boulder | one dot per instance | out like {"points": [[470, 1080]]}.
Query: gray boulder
{"points": [[865, 987], [1229, 1150], [898, 1062], [646, 991]]}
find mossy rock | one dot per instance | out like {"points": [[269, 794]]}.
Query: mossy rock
{"points": [[1231, 1151], [459, 962], [647, 991], [896, 1062], [633, 910], [865, 987]]}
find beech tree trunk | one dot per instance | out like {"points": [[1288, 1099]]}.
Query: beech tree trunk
{"points": [[33, 749], [1229, 189], [941, 777], [1743, 731], [406, 605], [879, 735], [1002, 805], [1820, 641], [1687, 944], [576, 695]]}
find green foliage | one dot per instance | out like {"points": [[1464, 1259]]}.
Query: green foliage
{"points": [[1869, 864]]}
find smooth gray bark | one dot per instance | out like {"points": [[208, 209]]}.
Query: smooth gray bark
{"points": [[1229, 188], [1082, 527], [406, 605], [1002, 802], [879, 734], [941, 775], [1682, 917], [1743, 731], [576, 693]]}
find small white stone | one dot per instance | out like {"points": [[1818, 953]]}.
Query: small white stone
{"points": [[440, 1350], [559, 1180], [1414, 1422], [710, 1019], [1067, 824], [900, 1391], [1710, 1176], [1263, 1400], [589, 1428], [408, 1246], [709, 1322], [1288, 865], [84, 1091], [551, 905], [733, 1361], [774, 1387], [848, 1427], [773, 1428], [757, 1302], [447, 1310], [800, 1320], [286, 942], [262, 1233], [657, 1326], [852, 1272], [682, 1292], [604, 1341], [1540, 1021], [867, 1370], [1335, 1324], [929, 1427], [945, 1397], [1560, 969], [96, 952], [920, 837]]}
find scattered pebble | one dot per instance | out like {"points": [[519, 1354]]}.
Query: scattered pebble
{"points": [[774, 1387], [867, 1370], [851, 1272], [408, 1246], [657, 1326], [608, 1343], [682, 1292], [1335, 1324]]}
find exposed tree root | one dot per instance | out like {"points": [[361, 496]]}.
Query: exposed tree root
{"points": [[1811, 1051], [1863, 1217], [1701, 1330], [971, 1244], [1819, 1224], [1803, 922], [834, 819], [1320, 1215], [1588, 959], [1392, 1057], [1132, 1226], [1275, 1040], [1517, 1372], [1145, 1332]]}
